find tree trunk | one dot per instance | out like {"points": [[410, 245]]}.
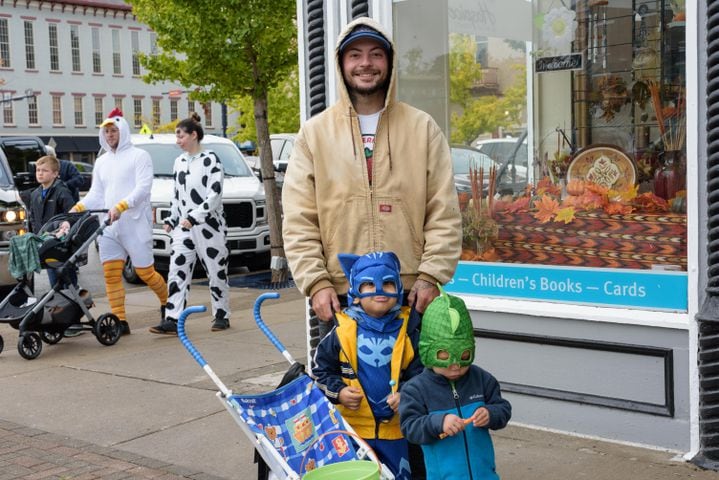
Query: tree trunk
{"points": [[280, 271]]}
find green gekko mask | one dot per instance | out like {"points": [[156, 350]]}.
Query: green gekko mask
{"points": [[446, 326]]}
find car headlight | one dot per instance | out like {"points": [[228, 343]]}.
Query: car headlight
{"points": [[13, 215], [8, 234]]}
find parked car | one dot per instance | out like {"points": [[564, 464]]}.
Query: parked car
{"points": [[13, 221], [85, 170], [21, 152], [243, 200], [465, 157], [282, 144], [512, 155]]}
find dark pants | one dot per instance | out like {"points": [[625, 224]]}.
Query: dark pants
{"points": [[53, 277]]}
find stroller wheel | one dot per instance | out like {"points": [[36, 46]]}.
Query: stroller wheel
{"points": [[107, 329], [51, 338], [29, 345]]}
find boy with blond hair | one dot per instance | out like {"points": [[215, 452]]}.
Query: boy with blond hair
{"points": [[50, 198]]}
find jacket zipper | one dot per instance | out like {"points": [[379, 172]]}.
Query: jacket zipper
{"points": [[455, 395], [372, 191]]}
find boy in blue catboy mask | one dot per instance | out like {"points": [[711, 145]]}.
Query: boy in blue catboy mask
{"points": [[363, 362]]}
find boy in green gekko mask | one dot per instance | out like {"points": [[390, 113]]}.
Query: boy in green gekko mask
{"points": [[450, 407]]}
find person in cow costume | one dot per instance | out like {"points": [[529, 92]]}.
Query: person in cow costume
{"points": [[198, 229], [121, 184]]}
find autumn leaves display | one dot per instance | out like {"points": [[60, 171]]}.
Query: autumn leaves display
{"points": [[541, 210], [546, 204]]}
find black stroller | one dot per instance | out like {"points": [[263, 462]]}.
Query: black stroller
{"points": [[47, 318]]}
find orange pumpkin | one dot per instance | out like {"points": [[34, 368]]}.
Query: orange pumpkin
{"points": [[576, 187]]}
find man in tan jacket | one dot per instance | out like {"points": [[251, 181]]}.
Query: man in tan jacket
{"points": [[370, 173]]}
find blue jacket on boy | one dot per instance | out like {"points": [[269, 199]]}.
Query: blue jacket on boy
{"points": [[427, 397], [450, 407]]}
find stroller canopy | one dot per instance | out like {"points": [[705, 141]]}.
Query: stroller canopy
{"points": [[300, 422]]}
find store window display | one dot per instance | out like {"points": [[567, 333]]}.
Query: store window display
{"points": [[600, 89]]}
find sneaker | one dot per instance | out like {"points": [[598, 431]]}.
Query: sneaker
{"points": [[220, 324], [125, 328], [166, 327], [73, 330]]}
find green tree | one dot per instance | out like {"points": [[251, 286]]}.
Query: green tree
{"points": [[464, 71], [283, 110], [476, 115], [228, 49]]}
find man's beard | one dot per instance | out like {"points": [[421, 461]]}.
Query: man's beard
{"points": [[354, 90]]}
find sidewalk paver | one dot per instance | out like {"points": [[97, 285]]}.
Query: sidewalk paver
{"points": [[143, 409]]}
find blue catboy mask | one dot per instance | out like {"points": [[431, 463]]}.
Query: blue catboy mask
{"points": [[376, 268]]}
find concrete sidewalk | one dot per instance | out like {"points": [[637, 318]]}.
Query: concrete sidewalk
{"points": [[143, 408]]}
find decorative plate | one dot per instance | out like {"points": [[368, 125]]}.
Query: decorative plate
{"points": [[604, 165]]}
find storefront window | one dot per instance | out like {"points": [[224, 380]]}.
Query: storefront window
{"points": [[567, 124]]}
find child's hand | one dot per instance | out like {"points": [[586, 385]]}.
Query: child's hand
{"points": [[62, 229], [480, 417], [393, 401], [452, 425], [167, 228], [350, 397]]}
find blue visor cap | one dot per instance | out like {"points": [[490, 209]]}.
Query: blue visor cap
{"points": [[363, 31], [376, 268]]}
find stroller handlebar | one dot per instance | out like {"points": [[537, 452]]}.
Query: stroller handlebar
{"points": [[261, 324], [183, 335]]}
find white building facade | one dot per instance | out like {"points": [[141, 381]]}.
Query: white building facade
{"points": [[78, 60]]}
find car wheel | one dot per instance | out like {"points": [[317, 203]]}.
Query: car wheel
{"points": [[129, 273]]}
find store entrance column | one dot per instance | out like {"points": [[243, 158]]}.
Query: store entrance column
{"points": [[708, 316]]}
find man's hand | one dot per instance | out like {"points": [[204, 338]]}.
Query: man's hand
{"points": [[422, 294], [114, 214], [350, 397], [167, 228], [325, 303]]}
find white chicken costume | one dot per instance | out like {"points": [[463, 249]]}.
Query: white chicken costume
{"points": [[122, 180]]}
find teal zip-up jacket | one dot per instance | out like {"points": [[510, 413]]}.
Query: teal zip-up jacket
{"points": [[428, 397]]}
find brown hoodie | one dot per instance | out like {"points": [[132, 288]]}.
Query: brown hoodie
{"points": [[329, 206]]}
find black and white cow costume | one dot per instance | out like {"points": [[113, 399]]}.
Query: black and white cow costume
{"points": [[198, 198]]}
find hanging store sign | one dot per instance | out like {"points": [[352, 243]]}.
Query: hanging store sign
{"points": [[601, 287], [573, 61]]}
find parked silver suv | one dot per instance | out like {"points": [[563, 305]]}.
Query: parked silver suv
{"points": [[243, 201], [12, 220]]}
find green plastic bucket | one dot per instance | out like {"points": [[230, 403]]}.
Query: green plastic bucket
{"points": [[352, 470]]}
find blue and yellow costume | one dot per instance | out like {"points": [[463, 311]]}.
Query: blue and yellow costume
{"points": [[368, 352]]}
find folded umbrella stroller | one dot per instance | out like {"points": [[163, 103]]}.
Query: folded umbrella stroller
{"points": [[296, 431]]}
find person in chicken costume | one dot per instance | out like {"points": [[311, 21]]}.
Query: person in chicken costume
{"points": [[121, 183]]}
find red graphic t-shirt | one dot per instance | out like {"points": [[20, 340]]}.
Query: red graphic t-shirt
{"points": [[368, 127]]}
